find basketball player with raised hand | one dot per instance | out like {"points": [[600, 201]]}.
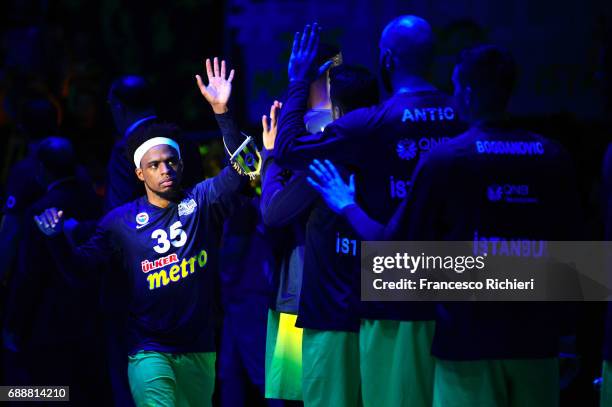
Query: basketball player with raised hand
{"points": [[168, 242]]}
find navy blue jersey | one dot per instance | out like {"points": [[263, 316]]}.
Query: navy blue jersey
{"points": [[170, 256], [493, 186], [286, 200], [382, 145]]}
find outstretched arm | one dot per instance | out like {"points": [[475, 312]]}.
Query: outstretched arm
{"points": [[217, 93], [74, 262], [222, 190], [295, 148], [340, 197]]}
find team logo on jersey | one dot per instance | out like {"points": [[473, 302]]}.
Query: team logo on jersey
{"points": [[186, 207], [495, 193], [10, 202], [142, 219], [406, 149], [510, 193]]}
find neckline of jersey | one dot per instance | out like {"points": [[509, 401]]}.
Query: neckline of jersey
{"points": [[171, 204]]}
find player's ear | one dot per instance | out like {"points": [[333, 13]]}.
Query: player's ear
{"points": [[139, 174], [467, 97], [336, 112], [388, 60]]}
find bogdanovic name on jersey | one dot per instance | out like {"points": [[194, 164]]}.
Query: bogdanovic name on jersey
{"points": [[509, 147], [176, 272], [428, 114]]}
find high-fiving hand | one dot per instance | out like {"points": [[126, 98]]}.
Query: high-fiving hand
{"points": [[303, 55], [219, 89], [270, 129], [50, 222], [328, 182]]}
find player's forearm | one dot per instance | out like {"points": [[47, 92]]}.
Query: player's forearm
{"points": [[70, 264], [229, 128], [227, 182], [282, 202], [77, 263], [290, 152], [366, 227]]}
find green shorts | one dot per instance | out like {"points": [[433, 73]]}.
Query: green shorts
{"points": [[283, 357], [606, 385], [507, 382], [397, 368], [331, 369], [166, 379]]}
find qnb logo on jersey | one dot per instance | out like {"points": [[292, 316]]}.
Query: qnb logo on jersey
{"points": [[158, 263], [186, 207], [142, 219], [509, 147], [398, 187], [510, 193], [408, 149], [177, 272], [508, 246], [428, 114]]}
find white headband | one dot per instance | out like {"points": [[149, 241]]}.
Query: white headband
{"points": [[155, 141]]}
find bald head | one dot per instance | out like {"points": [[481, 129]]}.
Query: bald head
{"points": [[130, 99], [408, 42], [134, 92]]}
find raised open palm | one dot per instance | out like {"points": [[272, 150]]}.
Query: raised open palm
{"points": [[219, 88], [270, 129]]}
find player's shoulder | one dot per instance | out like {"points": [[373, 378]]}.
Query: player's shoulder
{"points": [[551, 147], [199, 190], [128, 215], [453, 146], [356, 119]]}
